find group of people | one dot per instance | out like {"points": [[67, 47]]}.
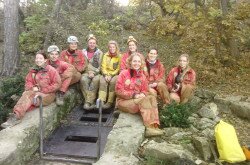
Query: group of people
{"points": [[131, 79]]}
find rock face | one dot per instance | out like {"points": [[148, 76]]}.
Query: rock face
{"points": [[205, 94], [238, 105], [209, 110], [168, 152], [202, 145], [19, 143], [123, 141]]}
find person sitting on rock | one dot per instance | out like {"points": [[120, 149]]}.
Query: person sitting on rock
{"points": [[133, 97], [181, 81], [42, 80], [132, 48], [155, 75], [67, 72], [110, 68], [74, 57], [91, 78]]}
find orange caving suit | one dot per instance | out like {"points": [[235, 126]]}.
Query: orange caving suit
{"points": [[110, 66], [48, 82], [187, 83], [156, 74], [129, 83], [76, 59], [66, 72]]}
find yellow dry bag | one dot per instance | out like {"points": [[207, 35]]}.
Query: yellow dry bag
{"points": [[227, 143]]}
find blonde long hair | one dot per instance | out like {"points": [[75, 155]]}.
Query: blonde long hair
{"points": [[130, 58], [117, 51]]}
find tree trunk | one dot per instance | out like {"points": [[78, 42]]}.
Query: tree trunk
{"points": [[224, 6], [196, 7], [161, 5], [53, 19], [11, 37], [233, 46]]}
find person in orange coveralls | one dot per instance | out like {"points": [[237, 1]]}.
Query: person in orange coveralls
{"points": [[74, 56], [181, 81], [42, 80], [67, 72], [156, 75], [132, 48], [133, 97]]}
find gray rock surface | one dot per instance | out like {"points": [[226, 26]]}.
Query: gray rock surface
{"points": [[241, 109], [123, 141], [171, 131], [202, 145], [209, 110], [238, 105], [205, 94], [167, 152]]}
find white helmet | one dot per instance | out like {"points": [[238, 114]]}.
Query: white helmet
{"points": [[72, 39], [53, 48]]}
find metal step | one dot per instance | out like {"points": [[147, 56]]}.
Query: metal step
{"points": [[76, 141], [82, 117]]}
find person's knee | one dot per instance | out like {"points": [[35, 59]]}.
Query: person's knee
{"points": [[84, 79], [187, 87], [175, 97], [96, 79], [102, 80], [113, 80], [152, 92], [160, 84]]}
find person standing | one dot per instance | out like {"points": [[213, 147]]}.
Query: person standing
{"points": [[90, 79]]}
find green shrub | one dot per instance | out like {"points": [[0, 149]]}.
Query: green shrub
{"points": [[176, 115], [9, 87]]}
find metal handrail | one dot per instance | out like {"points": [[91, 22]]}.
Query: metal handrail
{"points": [[99, 106], [41, 122]]}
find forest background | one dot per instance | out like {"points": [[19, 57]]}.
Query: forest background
{"points": [[215, 33]]}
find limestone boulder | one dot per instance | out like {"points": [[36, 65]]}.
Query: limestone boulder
{"points": [[222, 103], [241, 109], [204, 123], [181, 135], [209, 110], [170, 153], [201, 144], [123, 141], [171, 131], [205, 94], [196, 102]]}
